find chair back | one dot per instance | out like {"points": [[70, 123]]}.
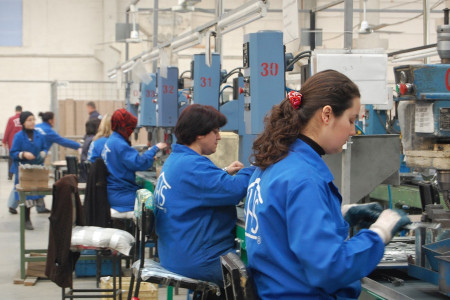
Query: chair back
{"points": [[237, 281], [72, 164], [145, 219]]}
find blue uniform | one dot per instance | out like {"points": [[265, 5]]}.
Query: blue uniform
{"points": [[122, 161], [196, 213], [21, 143], [296, 237], [52, 136], [96, 148]]}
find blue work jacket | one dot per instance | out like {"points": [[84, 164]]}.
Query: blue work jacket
{"points": [[96, 148], [52, 136], [296, 238], [196, 213], [21, 143], [122, 161]]}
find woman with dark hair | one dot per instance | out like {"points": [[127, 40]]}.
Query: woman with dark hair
{"points": [[195, 200], [122, 161], [296, 230], [46, 129], [28, 147]]}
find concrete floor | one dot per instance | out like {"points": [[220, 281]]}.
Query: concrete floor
{"points": [[37, 239]]}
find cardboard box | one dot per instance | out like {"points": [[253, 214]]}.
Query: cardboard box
{"points": [[33, 177], [147, 290]]}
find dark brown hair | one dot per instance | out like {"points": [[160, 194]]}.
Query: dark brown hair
{"points": [[46, 116], [197, 120], [283, 124]]}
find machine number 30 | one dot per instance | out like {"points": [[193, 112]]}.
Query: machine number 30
{"points": [[269, 69]]}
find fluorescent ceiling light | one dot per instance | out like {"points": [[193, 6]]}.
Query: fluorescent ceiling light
{"points": [[112, 73], [242, 16], [128, 66], [186, 42], [414, 55], [150, 56]]}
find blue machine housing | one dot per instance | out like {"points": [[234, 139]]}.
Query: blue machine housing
{"points": [[264, 84], [147, 111], [167, 103], [429, 87], [207, 80]]}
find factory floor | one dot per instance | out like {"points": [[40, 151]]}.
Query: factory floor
{"points": [[36, 239]]}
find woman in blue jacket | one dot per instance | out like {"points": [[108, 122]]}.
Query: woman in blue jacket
{"points": [[122, 161], [29, 147], [195, 200], [46, 129], [296, 231], [99, 140]]}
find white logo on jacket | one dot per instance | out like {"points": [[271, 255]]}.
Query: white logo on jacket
{"points": [[161, 186], [251, 220], [105, 154], [41, 131]]}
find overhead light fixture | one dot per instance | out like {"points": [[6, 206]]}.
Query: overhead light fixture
{"points": [[241, 16], [150, 56], [186, 42], [127, 66], [112, 73]]}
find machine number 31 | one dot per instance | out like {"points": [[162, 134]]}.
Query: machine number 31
{"points": [[269, 69]]}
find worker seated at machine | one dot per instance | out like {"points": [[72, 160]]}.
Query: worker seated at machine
{"points": [[196, 200], [122, 161]]}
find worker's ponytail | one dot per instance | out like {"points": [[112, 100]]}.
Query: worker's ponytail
{"points": [[286, 120]]}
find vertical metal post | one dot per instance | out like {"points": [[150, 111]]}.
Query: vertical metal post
{"points": [[348, 24], [55, 108], [219, 11], [426, 28], [312, 27], [22, 234], [155, 31], [346, 172]]}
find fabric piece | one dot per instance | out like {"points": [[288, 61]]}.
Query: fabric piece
{"points": [[98, 237], [66, 210]]}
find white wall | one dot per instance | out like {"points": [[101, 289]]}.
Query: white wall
{"points": [[68, 40]]}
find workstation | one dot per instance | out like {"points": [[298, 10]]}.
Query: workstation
{"points": [[156, 59]]}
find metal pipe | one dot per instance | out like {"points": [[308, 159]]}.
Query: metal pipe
{"points": [[218, 48], [426, 29], [445, 16], [348, 24], [155, 31], [312, 26]]}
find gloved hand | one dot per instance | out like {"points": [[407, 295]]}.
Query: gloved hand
{"points": [[361, 215], [389, 223]]}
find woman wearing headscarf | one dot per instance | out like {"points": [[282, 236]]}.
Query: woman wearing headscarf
{"points": [[28, 148], [122, 161]]}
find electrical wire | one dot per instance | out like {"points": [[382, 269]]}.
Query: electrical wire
{"points": [[187, 71], [234, 71], [221, 93], [297, 58], [360, 129]]}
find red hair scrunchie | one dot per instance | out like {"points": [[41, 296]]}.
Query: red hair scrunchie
{"points": [[295, 98]]}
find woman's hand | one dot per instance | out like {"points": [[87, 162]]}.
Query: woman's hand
{"points": [[28, 155], [234, 167], [161, 146]]}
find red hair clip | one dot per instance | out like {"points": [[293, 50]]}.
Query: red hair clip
{"points": [[295, 98]]}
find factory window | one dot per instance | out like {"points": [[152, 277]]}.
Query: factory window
{"points": [[10, 23]]}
